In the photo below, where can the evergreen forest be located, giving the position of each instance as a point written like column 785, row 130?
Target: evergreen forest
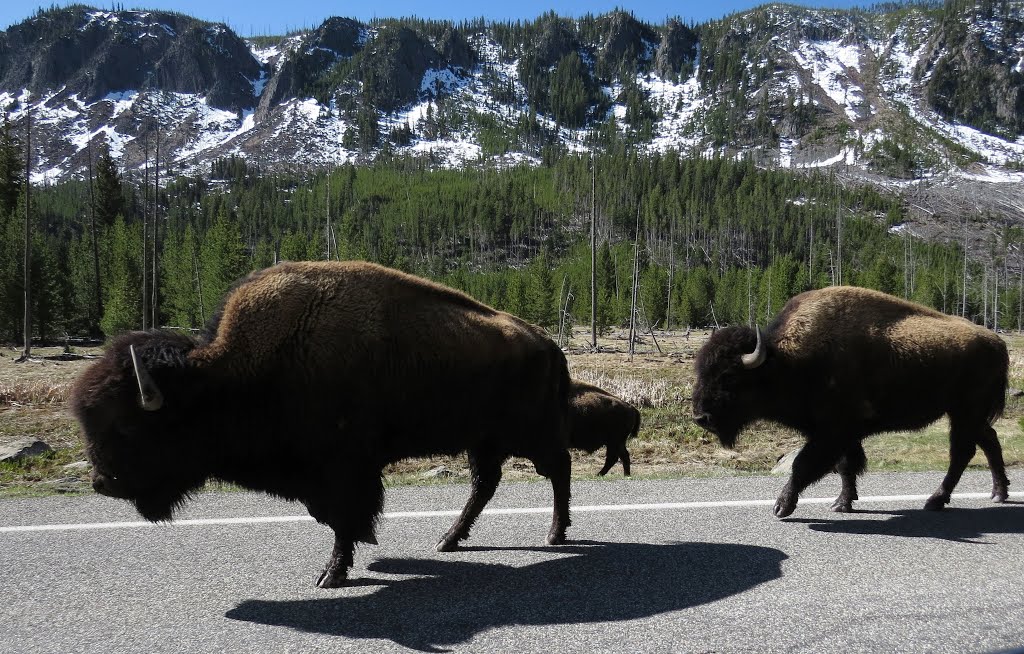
column 710, row 241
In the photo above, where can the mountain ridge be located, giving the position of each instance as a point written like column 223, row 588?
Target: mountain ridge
column 917, row 92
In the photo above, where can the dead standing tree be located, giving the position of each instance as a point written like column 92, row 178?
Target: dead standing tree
column 27, row 352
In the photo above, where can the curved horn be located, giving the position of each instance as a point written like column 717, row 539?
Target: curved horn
column 150, row 396
column 757, row 357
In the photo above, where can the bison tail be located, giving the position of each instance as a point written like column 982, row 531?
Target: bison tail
column 999, row 398
column 624, row 453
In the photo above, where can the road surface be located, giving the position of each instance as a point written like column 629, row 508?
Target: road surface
column 691, row 565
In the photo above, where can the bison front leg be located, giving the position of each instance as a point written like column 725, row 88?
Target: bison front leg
column 485, row 471
column 813, row 462
column 336, row 572
column 849, row 468
column 351, row 511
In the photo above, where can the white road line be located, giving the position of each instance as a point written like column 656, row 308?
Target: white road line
column 398, row 515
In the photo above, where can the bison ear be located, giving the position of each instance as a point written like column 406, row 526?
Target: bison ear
column 150, row 396
column 757, row 357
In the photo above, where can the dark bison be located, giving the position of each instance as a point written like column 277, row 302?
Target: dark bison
column 841, row 363
column 312, row 379
column 599, row 419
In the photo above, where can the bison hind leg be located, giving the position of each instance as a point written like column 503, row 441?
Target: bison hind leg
column 961, row 450
column 850, row 466
column 989, row 443
column 558, row 468
column 485, row 472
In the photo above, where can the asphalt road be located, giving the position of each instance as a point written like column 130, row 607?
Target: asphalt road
column 694, row 565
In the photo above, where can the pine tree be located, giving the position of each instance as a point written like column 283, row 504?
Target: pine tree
column 122, row 304
column 223, row 257
column 11, row 169
column 110, row 201
column 180, row 281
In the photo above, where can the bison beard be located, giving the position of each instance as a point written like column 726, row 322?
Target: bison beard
column 311, row 379
column 842, row 363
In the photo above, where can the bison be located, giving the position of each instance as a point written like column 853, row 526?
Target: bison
column 597, row 418
column 313, row 377
column 842, row 363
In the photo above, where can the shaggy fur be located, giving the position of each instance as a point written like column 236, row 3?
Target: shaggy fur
column 599, row 419
column 844, row 363
column 313, row 378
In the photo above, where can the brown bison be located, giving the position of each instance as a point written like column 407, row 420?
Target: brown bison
column 597, row 418
column 313, row 378
column 842, row 363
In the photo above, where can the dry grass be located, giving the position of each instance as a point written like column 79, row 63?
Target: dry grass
column 33, row 398
column 38, row 392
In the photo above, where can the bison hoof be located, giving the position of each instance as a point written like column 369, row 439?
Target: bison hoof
column 784, row 507
column 1000, row 495
column 332, row 578
column 447, row 544
column 556, row 538
column 936, row 502
column 842, row 506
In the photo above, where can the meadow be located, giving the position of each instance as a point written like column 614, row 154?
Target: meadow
column 658, row 379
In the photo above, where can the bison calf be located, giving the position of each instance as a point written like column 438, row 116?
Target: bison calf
column 841, row 363
column 599, row 419
column 313, row 378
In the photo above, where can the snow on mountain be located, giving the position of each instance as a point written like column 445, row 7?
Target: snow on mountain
column 855, row 81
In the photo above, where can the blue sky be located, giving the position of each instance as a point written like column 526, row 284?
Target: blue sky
column 249, row 17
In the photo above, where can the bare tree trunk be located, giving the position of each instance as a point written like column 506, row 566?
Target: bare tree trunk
column 27, row 352
column 153, row 305
column 671, row 272
column 95, row 241
column 199, row 286
column 650, row 326
column 561, row 316
column 329, row 231
column 810, row 260
column 636, row 274
column 593, row 254
column 145, row 232
column 839, row 245
column 984, row 301
column 1020, row 292
column 995, row 302
column 963, row 308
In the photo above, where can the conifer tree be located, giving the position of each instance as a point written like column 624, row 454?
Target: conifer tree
column 223, row 256
column 122, row 304
column 110, row 201
column 11, row 169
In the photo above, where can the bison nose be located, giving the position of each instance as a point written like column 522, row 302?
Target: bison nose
column 99, row 486
column 108, row 486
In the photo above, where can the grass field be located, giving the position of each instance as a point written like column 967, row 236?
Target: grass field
column 33, row 404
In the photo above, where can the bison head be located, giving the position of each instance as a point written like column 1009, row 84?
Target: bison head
column 133, row 407
column 727, row 392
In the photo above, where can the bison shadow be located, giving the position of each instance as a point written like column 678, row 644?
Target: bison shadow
column 963, row 525
column 444, row 603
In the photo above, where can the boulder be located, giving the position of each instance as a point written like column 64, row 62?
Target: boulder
column 20, row 450
column 785, row 464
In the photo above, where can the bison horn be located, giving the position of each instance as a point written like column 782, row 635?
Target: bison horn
column 150, row 396
column 757, row 357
